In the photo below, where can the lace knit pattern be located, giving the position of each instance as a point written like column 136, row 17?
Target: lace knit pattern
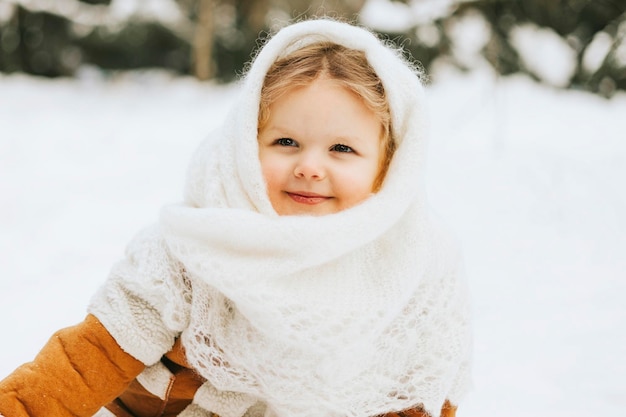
column 353, row 314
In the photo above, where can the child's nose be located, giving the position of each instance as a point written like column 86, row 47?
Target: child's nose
column 310, row 167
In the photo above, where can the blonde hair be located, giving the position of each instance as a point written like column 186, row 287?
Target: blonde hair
column 347, row 66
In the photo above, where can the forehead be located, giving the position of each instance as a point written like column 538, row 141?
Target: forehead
column 324, row 105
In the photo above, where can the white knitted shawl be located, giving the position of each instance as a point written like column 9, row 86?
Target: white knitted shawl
column 350, row 314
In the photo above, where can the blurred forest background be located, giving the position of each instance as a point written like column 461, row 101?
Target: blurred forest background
column 213, row 39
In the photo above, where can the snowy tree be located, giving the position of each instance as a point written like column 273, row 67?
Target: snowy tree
column 563, row 43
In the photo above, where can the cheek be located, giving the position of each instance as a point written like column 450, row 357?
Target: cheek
column 357, row 184
column 271, row 171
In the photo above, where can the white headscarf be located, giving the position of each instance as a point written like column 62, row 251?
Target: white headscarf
column 356, row 313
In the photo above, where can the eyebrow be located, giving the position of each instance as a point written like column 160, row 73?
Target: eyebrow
column 280, row 129
column 286, row 132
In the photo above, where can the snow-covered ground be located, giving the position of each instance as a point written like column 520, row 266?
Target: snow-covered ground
column 531, row 178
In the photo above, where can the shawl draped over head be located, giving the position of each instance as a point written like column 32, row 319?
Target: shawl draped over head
column 356, row 313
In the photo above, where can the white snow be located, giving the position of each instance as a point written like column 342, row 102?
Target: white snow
column 115, row 14
column 396, row 17
column 531, row 179
column 597, row 51
column 386, row 15
column 469, row 34
column 545, row 53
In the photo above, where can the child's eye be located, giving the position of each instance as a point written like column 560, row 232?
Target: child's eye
column 341, row 148
column 286, row 142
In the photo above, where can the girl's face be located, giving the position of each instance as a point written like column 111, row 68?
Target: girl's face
column 319, row 150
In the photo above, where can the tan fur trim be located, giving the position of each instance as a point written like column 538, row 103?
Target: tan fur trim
column 156, row 379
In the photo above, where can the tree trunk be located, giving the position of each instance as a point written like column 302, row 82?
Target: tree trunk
column 203, row 41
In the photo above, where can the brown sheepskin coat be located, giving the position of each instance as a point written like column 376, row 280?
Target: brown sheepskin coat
column 82, row 369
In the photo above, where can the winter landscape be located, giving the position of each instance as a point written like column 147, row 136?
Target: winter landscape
column 530, row 177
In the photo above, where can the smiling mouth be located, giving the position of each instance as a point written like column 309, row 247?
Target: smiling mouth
column 307, row 198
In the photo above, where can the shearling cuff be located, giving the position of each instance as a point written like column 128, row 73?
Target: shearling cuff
column 194, row 410
column 223, row 403
column 134, row 324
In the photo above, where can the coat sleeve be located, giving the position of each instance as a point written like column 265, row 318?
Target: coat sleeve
column 448, row 410
column 79, row 370
column 145, row 302
column 133, row 320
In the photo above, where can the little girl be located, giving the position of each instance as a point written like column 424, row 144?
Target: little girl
column 303, row 274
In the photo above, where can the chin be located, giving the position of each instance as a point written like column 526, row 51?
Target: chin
column 304, row 211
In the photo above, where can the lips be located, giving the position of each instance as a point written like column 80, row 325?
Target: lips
column 307, row 198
